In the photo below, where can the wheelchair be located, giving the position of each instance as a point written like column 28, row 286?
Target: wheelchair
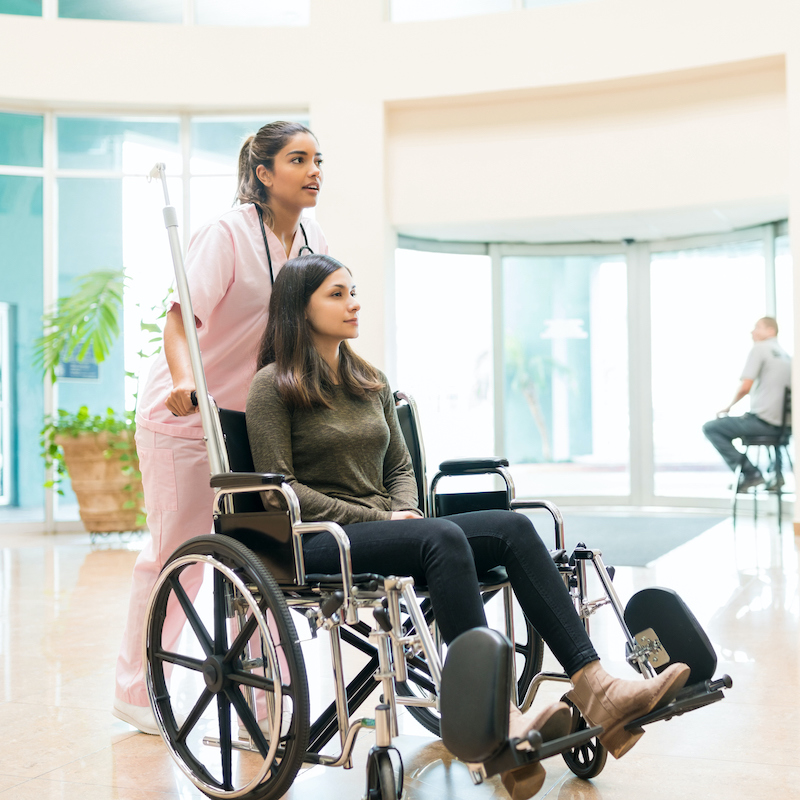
column 231, row 695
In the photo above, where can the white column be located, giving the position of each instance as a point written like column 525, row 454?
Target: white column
column 793, row 104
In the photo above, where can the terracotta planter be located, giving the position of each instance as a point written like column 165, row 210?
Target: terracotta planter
column 99, row 482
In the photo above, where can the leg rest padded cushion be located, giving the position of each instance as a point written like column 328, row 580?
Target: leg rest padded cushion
column 677, row 629
column 476, row 694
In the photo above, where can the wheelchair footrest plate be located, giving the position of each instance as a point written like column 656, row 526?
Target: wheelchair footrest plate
column 690, row 698
column 510, row 758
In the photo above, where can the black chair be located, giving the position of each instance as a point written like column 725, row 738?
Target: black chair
column 775, row 447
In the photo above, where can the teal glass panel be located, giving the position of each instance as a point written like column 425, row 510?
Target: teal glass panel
column 124, row 10
column 216, row 141
column 252, row 12
column 127, row 145
column 21, row 288
column 565, row 374
column 21, row 139
column 90, row 220
column 22, row 8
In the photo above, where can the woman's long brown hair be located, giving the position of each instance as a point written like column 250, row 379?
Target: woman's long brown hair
column 304, row 379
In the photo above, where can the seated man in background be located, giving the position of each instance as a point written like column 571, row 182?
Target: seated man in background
column 766, row 374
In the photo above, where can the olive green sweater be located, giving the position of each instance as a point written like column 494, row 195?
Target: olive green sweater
column 346, row 464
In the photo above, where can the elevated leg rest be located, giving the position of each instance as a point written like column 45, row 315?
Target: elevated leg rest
column 475, row 702
column 667, row 632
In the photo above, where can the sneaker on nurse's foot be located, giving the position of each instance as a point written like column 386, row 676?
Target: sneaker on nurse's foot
column 141, row 717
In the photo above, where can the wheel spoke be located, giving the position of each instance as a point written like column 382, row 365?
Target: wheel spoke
column 256, row 681
column 192, row 616
column 234, row 695
column 195, row 714
column 225, row 747
column 241, row 640
column 221, row 596
column 181, row 661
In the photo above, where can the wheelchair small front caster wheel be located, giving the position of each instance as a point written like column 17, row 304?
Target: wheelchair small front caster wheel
column 587, row 760
column 382, row 781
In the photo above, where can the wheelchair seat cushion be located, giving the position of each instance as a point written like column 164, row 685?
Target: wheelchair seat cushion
column 475, row 694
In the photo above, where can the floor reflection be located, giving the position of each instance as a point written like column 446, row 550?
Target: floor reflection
column 63, row 601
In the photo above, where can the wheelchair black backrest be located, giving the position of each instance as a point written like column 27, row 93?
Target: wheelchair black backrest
column 267, row 533
column 408, row 425
column 234, row 428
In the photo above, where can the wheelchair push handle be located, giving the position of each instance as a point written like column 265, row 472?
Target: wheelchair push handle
column 210, row 420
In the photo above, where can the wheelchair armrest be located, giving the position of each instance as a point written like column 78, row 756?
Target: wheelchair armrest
column 463, row 466
column 242, row 480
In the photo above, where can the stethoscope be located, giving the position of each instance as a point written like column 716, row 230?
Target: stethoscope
column 300, row 252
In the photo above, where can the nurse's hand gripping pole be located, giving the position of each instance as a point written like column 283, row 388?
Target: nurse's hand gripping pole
column 212, row 430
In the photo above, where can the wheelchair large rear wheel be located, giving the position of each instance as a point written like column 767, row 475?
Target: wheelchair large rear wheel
column 529, row 649
column 225, row 672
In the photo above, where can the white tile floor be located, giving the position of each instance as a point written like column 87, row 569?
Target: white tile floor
column 63, row 601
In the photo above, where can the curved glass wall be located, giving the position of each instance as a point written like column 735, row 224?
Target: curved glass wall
column 605, row 364
column 565, row 374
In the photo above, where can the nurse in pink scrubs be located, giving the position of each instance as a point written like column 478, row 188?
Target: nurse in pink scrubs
column 230, row 265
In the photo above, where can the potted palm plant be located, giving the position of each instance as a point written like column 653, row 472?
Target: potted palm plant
column 96, row 451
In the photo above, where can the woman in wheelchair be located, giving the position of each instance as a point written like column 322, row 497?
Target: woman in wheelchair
column 325, row 418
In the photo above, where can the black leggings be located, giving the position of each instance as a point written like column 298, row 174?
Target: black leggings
column 447, row 553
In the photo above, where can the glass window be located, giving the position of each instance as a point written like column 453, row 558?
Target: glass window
column 565, row 374
column 784, row 289
column 21, row 289
column 124, row 10
column 704, row 303
column 252, row 12
column 216, row 143
column 21, row 138
column 25, row 8
column 419, row 10
column 86, row 242
column 6, row 375
column 131, row 146
column 443, row 298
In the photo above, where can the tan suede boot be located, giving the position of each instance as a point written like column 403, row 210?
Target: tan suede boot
column 613, row 703
column 552, row 722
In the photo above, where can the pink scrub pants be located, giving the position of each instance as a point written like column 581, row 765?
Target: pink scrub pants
column 178, row 498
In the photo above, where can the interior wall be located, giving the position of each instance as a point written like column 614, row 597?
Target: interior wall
column 712, row 136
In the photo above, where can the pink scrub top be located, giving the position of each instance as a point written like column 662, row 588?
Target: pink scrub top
column 230, row 287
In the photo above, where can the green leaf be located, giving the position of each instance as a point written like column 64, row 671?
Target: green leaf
column 89, row 318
